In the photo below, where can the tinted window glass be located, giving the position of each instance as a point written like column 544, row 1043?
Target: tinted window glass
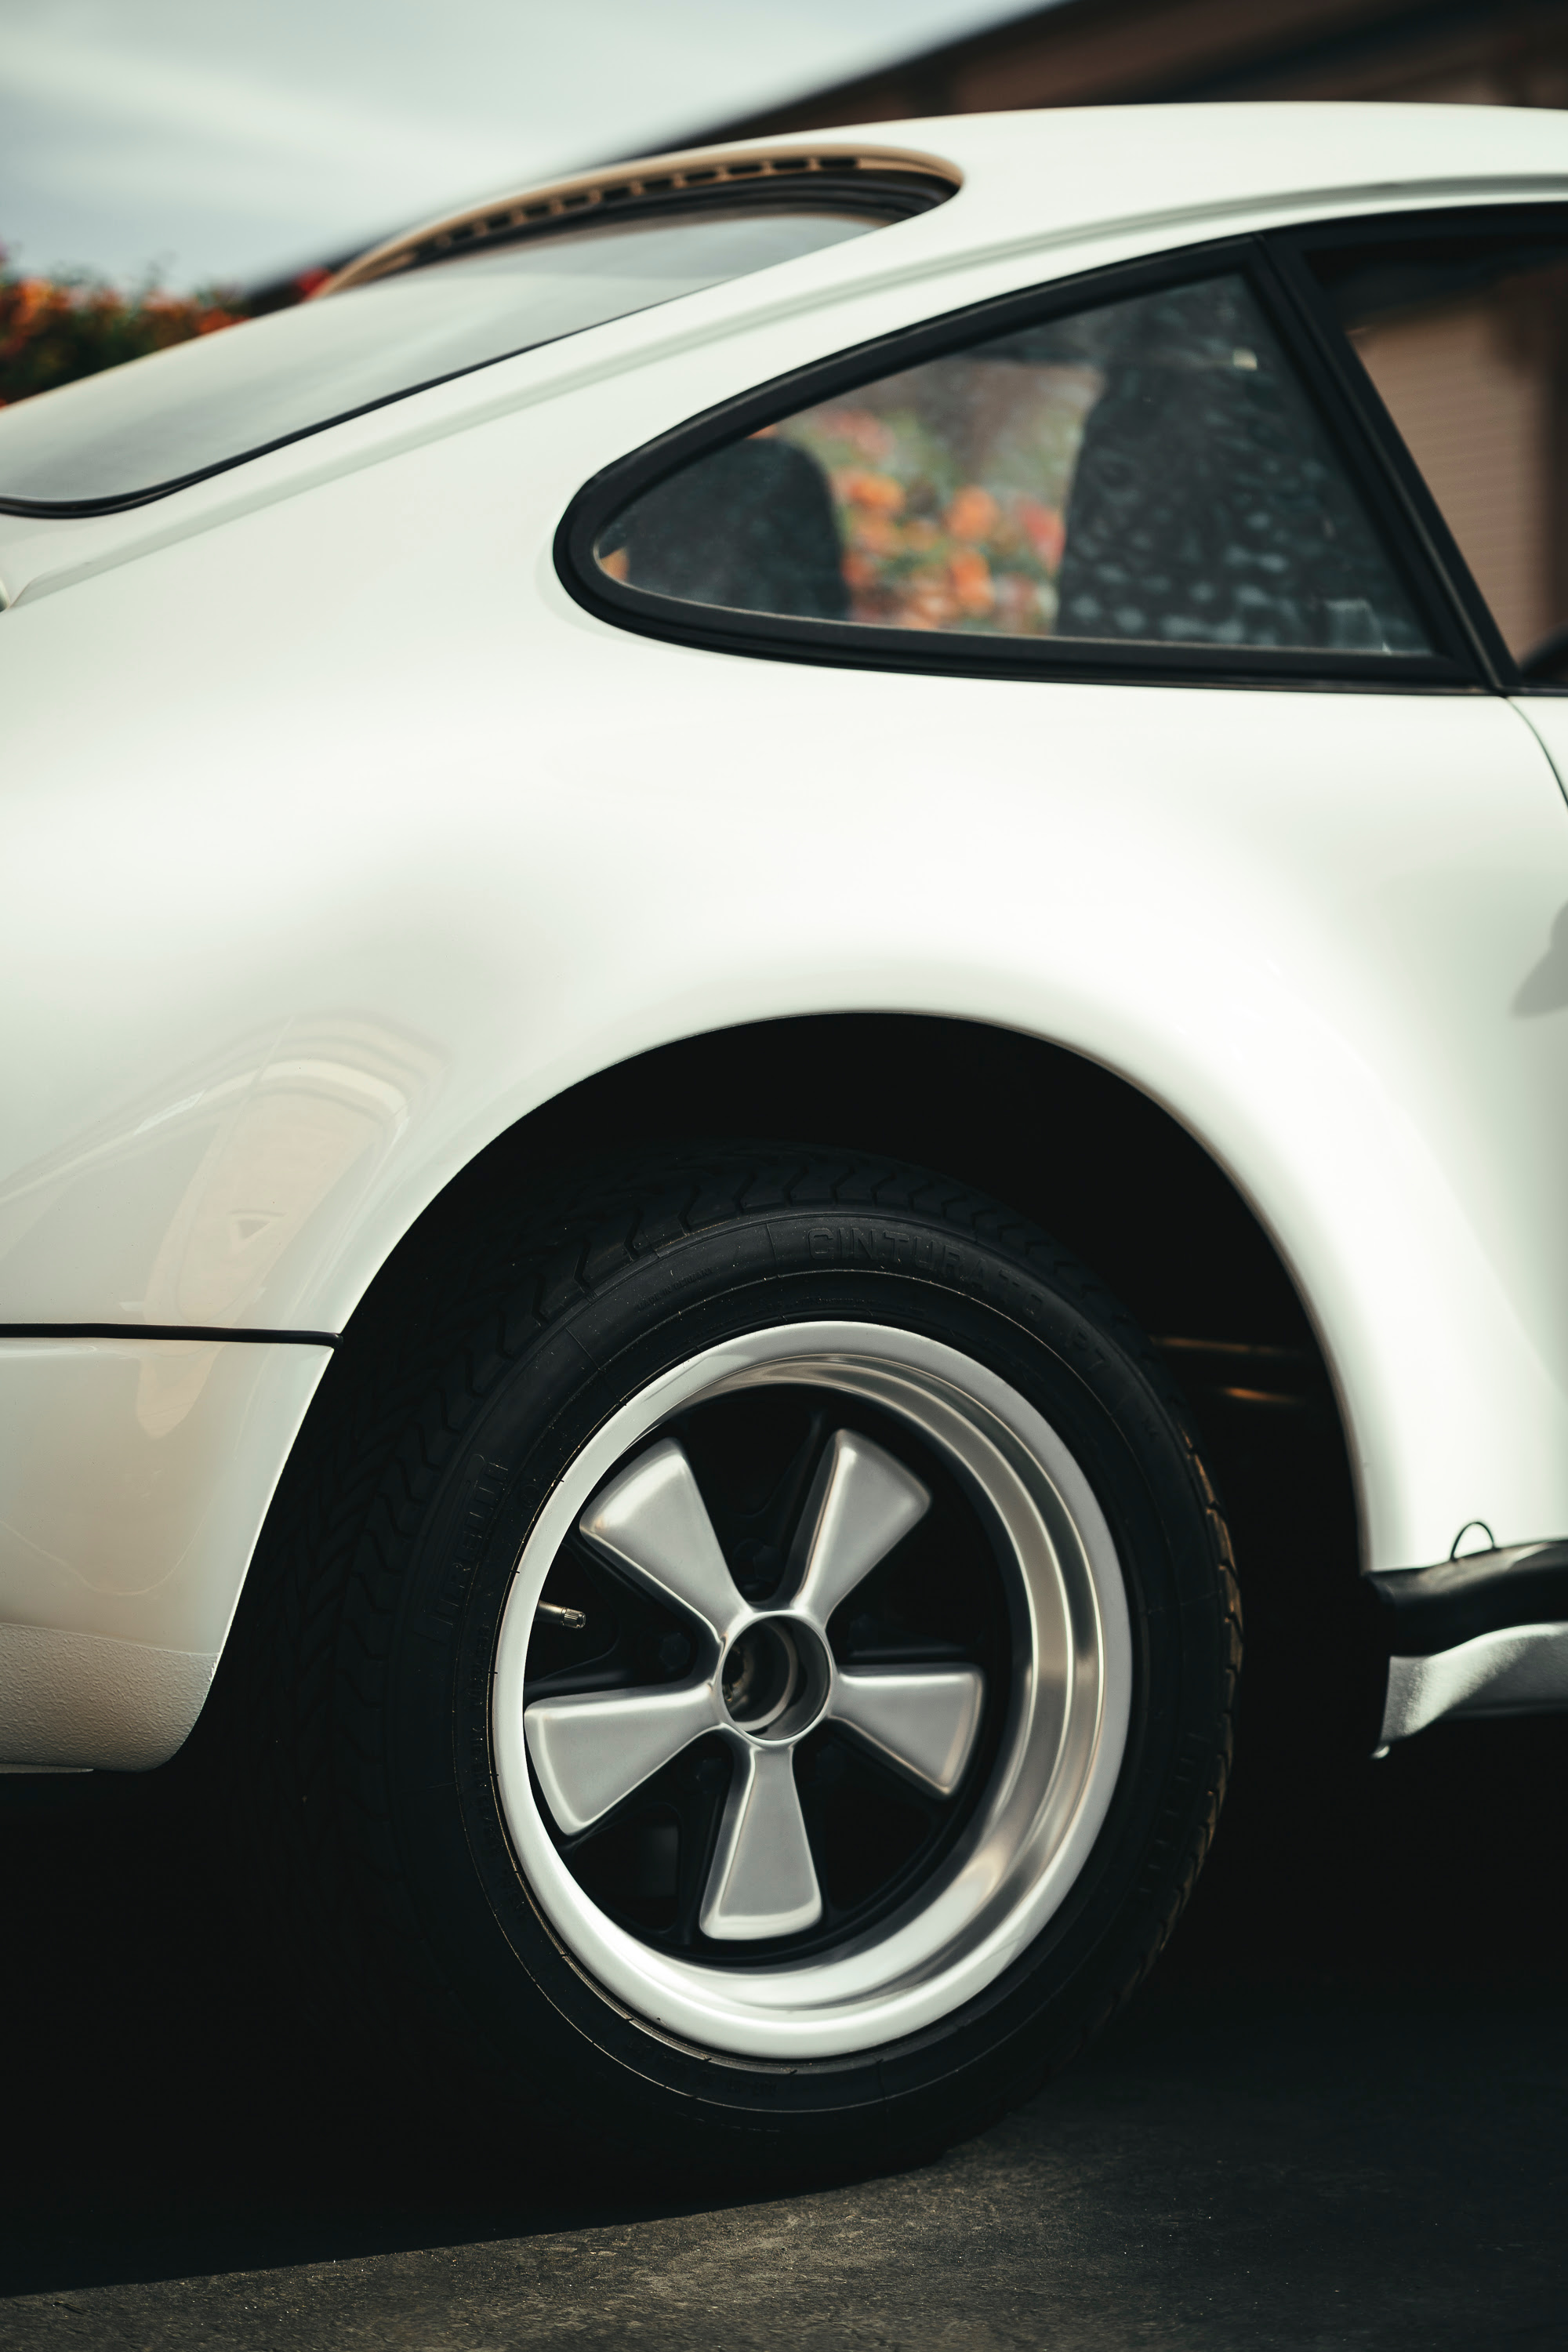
column 207, row 403
column 1147, row 471
column 1466, row 341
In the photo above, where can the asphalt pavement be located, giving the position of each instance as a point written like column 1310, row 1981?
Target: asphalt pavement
column 1335, row 2118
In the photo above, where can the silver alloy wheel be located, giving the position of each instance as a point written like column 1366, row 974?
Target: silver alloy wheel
column 766, row 1678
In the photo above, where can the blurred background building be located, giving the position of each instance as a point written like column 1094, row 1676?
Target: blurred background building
column 1119, row 52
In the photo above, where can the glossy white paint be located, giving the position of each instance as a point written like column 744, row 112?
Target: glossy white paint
column 134, row 1475
column 337, row 838
column 1546, row 714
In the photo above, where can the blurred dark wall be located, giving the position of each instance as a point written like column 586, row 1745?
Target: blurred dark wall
column 1110, row 52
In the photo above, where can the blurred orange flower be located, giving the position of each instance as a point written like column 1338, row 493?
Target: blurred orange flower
column 1046, row 531
column 923, row 546
column 929, row 601
column 877, row 491
column 54, row 330
column 973, row 513
column 970, row 577
column 31, row 298
column 877, row 532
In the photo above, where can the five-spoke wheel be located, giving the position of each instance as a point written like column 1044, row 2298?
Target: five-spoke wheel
column 849, row 1680
column 765, row 1680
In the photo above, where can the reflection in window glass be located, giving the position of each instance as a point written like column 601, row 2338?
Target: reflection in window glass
column 1466, row 341
column 1148, row 471
column 204, row 405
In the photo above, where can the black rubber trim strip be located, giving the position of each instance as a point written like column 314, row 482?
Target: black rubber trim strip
column 1425, row 1611
column 166, row 1331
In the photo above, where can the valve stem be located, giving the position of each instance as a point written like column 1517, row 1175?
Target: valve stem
column 572, row 1619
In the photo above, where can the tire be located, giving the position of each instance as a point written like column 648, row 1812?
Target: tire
column 894, row 1732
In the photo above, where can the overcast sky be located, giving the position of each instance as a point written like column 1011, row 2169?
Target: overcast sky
column 231, row 139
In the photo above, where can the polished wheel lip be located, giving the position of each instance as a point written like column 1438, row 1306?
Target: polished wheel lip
column 1048, row 1795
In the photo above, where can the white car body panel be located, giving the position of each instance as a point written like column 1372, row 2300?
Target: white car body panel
column 135, row 1472
column 339, row 838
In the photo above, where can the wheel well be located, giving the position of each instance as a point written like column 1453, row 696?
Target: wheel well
column 1094, row 1162
column 1080, row 1152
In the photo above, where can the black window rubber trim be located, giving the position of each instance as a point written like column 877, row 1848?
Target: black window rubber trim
column 888, row 198
column 1456, row 665
column 1406, row 486
column 167, row 1331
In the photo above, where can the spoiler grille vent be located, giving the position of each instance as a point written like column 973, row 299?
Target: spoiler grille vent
column 899, row 183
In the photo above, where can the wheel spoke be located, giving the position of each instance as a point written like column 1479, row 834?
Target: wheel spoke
column 652, row 1522
column 763, row 1881
column 591, row 1750
column 925, row 1723
column 862, row 1504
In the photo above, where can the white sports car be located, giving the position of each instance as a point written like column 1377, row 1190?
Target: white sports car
column 706, row 884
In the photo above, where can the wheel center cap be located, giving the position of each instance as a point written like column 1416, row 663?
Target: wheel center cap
column 774, row 1678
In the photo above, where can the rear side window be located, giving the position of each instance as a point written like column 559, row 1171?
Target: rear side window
column 1149, row 471
column 1466, row 340
column 141, row 430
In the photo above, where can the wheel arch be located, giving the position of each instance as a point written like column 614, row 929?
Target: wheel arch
column 1073, row 1146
